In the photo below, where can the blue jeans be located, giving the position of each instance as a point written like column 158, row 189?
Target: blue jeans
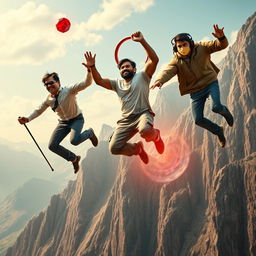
column 197, row 104
column 74, row 127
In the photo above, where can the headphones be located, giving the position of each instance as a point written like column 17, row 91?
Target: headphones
column 182, row 37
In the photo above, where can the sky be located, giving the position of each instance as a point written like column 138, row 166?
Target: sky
column 31, row 46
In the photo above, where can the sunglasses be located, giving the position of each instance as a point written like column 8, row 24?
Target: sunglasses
column 49, row 83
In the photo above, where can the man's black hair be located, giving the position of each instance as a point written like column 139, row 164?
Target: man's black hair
column 182, row 37
column 121, row 62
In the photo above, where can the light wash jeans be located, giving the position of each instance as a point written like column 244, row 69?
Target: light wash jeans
column 197, row 104
column 74, row 127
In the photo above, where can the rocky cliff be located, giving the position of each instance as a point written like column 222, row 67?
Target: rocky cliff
column 20, row 206
column 114, row 209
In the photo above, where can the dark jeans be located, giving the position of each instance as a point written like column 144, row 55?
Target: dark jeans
column 197, row 104
column 74, row 127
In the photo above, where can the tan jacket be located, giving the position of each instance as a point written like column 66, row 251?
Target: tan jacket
column 196, row 71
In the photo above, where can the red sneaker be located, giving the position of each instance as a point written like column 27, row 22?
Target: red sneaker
column 159, row 143
column 142, row 153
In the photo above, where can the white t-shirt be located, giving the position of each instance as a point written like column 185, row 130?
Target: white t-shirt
column 134, row 95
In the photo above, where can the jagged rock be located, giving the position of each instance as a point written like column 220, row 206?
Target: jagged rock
column 20, row 206
column 113, row 209
column 106, row 132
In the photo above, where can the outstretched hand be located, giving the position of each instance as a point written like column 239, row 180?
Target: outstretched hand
column 218, row 33
column 137, row 36
column 156, row 85
column 90, row 59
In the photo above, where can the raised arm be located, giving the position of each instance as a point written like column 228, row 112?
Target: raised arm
column 90, row 64
column 83, row 84
column 37, row 112
column 151, row 64
column 88, row 79
column 165, row 75
column 219, row 44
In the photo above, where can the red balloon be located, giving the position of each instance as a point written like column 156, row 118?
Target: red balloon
column 63, row 25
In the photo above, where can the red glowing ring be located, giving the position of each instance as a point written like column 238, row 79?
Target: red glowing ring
column 170, row 165
column 118, row 47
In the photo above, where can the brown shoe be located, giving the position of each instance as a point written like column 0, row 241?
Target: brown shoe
column 142, row 153
column 221, row 137
column 93, row 138
column 229, row 118
column 76, row 164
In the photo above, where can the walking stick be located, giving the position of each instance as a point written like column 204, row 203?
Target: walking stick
column 38, row 146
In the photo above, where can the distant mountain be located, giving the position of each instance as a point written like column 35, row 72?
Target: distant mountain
column 21, row 146
column 106, row 132
column 113, row 209
column 20, row 206
column 18, row 167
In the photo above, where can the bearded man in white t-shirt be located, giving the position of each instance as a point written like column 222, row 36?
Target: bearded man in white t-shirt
column 133, row 93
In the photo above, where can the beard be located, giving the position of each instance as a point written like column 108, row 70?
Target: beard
column 127, row 74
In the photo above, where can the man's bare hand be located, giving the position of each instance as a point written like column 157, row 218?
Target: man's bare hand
column 90, row 59
column 156, row 85
column 218, row 33
column 137, row 36
column 23, row 120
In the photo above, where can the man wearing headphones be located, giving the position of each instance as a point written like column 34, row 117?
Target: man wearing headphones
column 197, row 76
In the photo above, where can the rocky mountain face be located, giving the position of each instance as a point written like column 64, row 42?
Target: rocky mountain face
column 114, row 209
column 18, row 167
column 20, row 206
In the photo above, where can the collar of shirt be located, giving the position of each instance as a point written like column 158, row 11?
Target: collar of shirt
column 54, row 96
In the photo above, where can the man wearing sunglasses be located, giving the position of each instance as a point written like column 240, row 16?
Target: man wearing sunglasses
column 62, row 100
column 197, row 76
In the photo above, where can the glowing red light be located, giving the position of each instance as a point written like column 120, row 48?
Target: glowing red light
column 171, row 164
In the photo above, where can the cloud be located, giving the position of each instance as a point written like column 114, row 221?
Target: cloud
column 29, row 35
column 100, row 107
column 233, row 37
column 10, row 127
column 114, row 12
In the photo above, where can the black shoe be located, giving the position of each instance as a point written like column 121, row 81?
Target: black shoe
column 159, row 143
column 142, row 153
column 221, row 137
column 76, row 164
column 229, row 118
column 93, row 138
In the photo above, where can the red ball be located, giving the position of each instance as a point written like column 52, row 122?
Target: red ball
column 63, row 25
